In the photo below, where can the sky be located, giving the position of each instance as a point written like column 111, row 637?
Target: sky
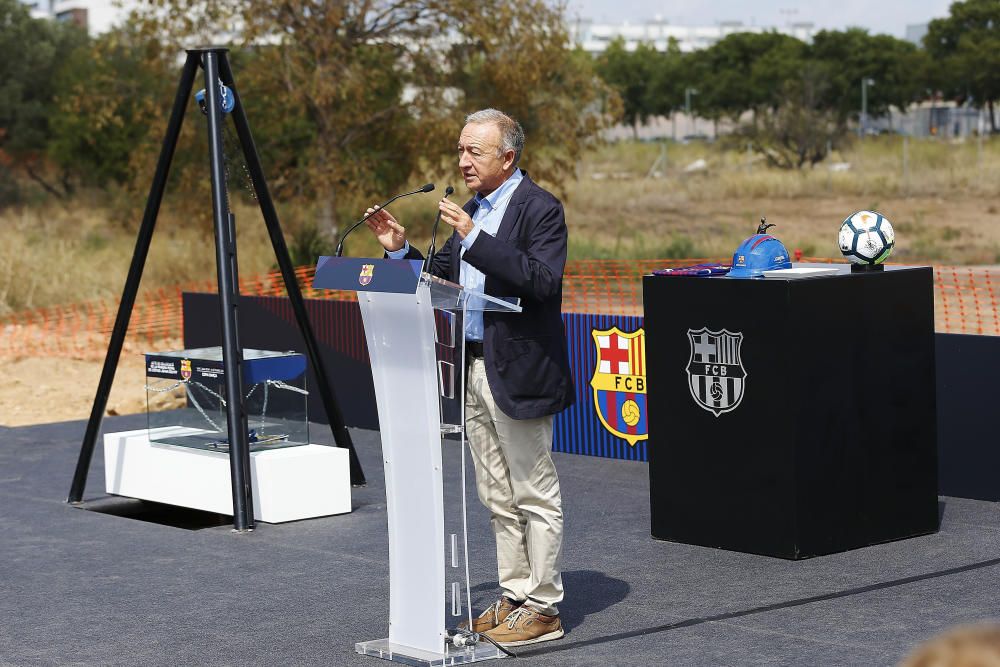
column 885, row 16
column 881, row 16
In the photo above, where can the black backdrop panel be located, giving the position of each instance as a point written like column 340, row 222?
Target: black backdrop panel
column 968, row 370
column 832, row 444
column 268, row 323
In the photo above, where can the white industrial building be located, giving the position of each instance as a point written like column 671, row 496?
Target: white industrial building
column 595, row 37
column 942, row 119
column 96, row 16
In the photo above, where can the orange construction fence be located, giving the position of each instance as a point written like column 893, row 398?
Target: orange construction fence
column 965, row 301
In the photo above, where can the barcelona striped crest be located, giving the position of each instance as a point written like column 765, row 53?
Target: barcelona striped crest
column 619, row 382
column 716, row 376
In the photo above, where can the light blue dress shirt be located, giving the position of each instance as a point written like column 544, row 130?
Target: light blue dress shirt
column 486, row 219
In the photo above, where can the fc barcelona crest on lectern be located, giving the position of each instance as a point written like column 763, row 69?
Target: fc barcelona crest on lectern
column 716, row 376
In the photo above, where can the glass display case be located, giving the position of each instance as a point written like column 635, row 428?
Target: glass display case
column 192, row 383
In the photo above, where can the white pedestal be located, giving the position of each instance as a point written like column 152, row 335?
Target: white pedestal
column 288, row 484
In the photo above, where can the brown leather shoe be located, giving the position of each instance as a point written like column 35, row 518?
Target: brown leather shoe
column 494, row 615
column 524, row 625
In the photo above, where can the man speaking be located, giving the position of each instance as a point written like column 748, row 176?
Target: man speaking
column 509, row 240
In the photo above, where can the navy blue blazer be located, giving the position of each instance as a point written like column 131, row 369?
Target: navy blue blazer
column 527, row 362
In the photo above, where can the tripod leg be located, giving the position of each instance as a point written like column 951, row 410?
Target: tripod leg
column 232, row 351
column 340, row 433
column 132, row 280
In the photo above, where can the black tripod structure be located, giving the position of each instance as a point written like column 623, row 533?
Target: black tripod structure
column 215, row 63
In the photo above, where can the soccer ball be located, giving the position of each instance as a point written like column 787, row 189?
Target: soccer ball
column 866, row 238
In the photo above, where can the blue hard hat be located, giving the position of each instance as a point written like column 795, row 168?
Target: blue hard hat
column 759, row 253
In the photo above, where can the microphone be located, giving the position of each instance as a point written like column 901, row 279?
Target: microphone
column 340, row 246
column 434, row 230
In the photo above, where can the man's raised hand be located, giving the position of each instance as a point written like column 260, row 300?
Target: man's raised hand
column 453, row 214
column 389, row 233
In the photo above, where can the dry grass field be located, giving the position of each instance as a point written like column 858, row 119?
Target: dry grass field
column 57, row 254
column 629, row 200
column 626, row 202
column 945, row 205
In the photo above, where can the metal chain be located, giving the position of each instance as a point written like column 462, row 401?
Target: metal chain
column 218, row 396
column 263, row 410
column 274, row 383
column 197, row 405
column 163, row 391
column 190, row 394
column 281, row 385
column 230, row 144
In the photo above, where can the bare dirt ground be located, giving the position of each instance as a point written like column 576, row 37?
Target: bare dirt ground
column 40, row 390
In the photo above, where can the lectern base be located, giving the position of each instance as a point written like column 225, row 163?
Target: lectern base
column 383, row 648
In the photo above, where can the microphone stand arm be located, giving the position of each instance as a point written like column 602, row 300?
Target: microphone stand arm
column 343, row 237
column 434, row 230
column 432, row 249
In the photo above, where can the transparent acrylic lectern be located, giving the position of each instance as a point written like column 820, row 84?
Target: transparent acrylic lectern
column 414, row 325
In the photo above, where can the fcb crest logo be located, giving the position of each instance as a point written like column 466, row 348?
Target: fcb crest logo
column 716, row 376
column 186, row 369
column 619, row 382
column 365, row 276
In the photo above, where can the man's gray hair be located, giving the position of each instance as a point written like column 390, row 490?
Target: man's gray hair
column 511, row 134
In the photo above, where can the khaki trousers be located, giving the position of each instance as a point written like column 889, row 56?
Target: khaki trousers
column 517, row 481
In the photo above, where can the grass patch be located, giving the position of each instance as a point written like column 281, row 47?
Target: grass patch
column 949, row 233
column 630, row 200
column 680, row 248
column 53, row 255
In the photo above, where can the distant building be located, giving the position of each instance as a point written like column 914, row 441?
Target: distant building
column 915, row 33
column 39, row 10
column 96, row 16
column 595, row 37
column 934, row 118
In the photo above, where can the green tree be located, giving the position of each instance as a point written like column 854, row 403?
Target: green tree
column 797, row 131
column 851, row 55
column 966, row 46
column 667, row 81
column 630, row 74
column 811, row 91
column 515, row 56
column 350, row 99
column 746, row 72
column 33, row 51
column 112, row 95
